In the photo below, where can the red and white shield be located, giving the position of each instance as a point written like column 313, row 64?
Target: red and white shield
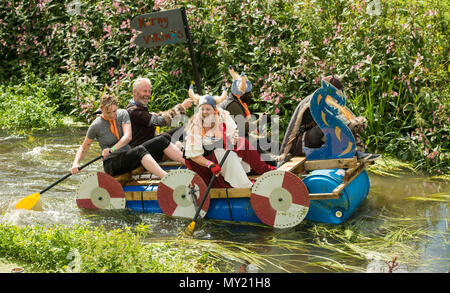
column 180, row 193
column 100, row 191
column 280, row 199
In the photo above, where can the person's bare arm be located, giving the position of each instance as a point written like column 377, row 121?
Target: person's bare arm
column 124, row 140
column 81, row 152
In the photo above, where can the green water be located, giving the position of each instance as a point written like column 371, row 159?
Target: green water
column 28, row 164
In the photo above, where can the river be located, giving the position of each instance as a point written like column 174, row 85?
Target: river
column 401, row 205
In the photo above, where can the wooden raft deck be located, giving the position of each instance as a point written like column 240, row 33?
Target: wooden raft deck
column 297, row 165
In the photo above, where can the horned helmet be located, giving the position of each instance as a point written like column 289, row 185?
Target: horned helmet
column 207, row 99
column 241, row 85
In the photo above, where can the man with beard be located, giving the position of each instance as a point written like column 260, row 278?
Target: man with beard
column 144, row 122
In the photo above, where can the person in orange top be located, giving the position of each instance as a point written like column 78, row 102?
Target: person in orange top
column 237, row 104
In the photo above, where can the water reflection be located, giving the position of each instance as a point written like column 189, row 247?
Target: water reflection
column 28, row 164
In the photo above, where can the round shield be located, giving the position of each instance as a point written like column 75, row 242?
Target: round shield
column 180, row 193
column 100, row 191
column 280, row 199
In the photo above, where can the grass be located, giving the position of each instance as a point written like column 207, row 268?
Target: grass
column 88, row 249
column 438, row 197
column 310, row 246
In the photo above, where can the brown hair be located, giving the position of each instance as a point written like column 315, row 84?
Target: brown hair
column 108, row 100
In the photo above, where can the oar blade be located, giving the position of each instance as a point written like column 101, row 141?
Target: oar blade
column 28, row 202
column 189, row 231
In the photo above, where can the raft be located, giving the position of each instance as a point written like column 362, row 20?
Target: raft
column 327, row 185
column 326, row 191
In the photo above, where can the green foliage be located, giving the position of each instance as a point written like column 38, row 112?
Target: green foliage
column 394, row 64
column 27, row 106
column 88, row 249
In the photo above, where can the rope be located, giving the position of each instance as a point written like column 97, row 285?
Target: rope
column 229, row 205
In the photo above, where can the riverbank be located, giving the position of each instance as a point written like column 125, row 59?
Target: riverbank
column 89, row 249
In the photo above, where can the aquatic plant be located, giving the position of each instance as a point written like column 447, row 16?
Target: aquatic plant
column 390, row 166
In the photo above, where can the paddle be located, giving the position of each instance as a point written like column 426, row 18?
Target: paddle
column 191, row 227
column 29, row 201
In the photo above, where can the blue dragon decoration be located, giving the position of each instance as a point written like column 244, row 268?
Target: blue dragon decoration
column 340, row 142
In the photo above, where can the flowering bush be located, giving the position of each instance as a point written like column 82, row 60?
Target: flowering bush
column 393, row 61
column 27, row 106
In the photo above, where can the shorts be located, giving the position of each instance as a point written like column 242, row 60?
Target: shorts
column 125, row 162
column 128, row 161
column 156, row 146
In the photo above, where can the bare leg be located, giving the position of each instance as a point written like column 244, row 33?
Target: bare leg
column 151, row 165
column 174, row 153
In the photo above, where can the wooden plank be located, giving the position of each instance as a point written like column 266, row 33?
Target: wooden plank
column 139, row 182
column 150, row 195
column 232, row 192
column 220, row 193
column 170, row 164
column 351, row 173
column 331, row 164
column 213, row 193
column 122, row 179
column 293, row 164
column 133, row 195
column 317, row 196
column 141, row 195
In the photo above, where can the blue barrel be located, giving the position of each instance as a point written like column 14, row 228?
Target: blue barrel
column 143, row 206
column 219, row 208
column 335, row 211
column 241, row 210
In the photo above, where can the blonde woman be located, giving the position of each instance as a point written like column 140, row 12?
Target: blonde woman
column 208, row 134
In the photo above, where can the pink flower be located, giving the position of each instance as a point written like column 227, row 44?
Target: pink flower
column 432, row 155
column 107, row 29
column 125, row 24
column 111, row 72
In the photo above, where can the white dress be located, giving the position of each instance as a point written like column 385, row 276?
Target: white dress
column 234, row 170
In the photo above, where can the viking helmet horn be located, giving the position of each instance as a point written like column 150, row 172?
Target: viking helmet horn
column 233, row 73
column 243, row 85
column 222, row 97
column 193, row 95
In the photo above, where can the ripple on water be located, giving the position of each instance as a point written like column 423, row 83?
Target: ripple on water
column 41, row 214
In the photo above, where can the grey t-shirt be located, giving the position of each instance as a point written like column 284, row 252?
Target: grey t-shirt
column 100, row 131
